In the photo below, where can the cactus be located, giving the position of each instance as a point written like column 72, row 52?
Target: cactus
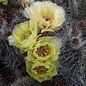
column 72, row 70
column 78, row 8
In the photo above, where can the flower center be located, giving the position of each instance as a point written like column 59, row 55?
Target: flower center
column 43, row 51
column 40, row 69
column 47, row 18
column 26, row 36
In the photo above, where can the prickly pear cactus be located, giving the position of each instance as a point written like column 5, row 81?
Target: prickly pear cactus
column 72, row 70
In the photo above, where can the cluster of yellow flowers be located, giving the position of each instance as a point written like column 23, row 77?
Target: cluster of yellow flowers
column 42, row 52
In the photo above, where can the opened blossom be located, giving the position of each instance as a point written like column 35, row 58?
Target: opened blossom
column 46, row 49
column 41, row 71
column 47, row 15
column 24, row 35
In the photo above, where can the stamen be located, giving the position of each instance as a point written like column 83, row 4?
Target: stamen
column 40, row 69
column 43, row 51
column 47, row 18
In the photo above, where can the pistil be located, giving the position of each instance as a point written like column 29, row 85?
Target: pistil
column 26, row 36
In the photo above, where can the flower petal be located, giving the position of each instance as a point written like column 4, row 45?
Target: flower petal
column 47, row 15
column 41, row 71
column 24, row 35
column 45, row 49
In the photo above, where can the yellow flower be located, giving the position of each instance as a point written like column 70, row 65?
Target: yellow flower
column 46, row 49
column 46, row 14
column 41, row 71
column 4, row 2
column 24, row 35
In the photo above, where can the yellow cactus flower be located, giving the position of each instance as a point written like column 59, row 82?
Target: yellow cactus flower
column 4, row 2
column 24, row 35
column 48, row 15
column 46, row 49
column 41, row 71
